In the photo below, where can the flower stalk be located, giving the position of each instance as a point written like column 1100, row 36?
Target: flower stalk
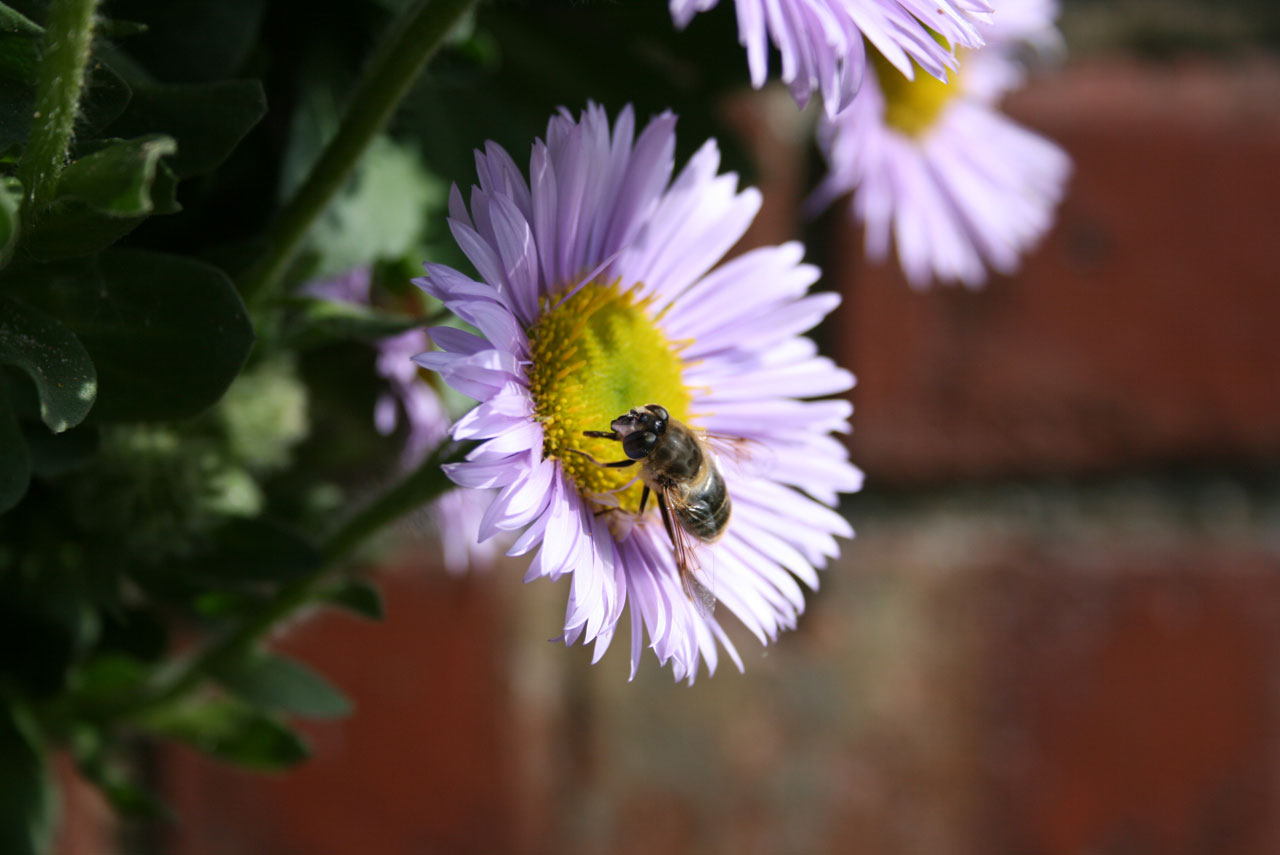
column 68, row 38
column 411, row 40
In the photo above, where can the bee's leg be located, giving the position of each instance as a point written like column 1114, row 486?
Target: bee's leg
column 644, row 497
column 616, row 464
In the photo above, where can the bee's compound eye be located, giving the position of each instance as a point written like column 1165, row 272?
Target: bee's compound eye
column 639, row 444
column 659, row 412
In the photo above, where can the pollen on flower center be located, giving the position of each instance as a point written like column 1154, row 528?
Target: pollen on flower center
column 912, row 106
column 595, row 356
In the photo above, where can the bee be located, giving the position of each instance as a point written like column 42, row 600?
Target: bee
column 679, row 469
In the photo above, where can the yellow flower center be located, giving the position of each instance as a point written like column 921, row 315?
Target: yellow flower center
column 912, row 106
column 595, row 356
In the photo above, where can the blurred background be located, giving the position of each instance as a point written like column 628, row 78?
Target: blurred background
column 1058, row 629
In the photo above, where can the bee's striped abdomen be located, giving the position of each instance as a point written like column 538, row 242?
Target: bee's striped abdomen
column 705, row 512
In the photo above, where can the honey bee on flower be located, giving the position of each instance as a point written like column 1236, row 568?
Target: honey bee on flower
column 599, row 293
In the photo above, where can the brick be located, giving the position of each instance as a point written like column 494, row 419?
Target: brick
column 1131, row 707
column 419, row 767
column 1141, row 333
column 86, row 824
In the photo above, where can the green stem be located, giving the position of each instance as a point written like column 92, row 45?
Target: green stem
column 423, row 485
column 68, row 37
column 410, row 42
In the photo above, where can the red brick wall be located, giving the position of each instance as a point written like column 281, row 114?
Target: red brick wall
column 1055, row 666
column 420, row 767
column 1142, row 333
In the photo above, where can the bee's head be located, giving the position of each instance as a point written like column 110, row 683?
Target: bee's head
column 640, row 429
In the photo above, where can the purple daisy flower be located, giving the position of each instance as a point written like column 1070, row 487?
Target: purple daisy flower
column 957, row 185
column 597, row 295
column 409, row 397
column 821, row 41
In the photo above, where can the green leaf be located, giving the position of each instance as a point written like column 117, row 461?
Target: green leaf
column 17, row 103
column 168, row 334
column 54, row 359
column 19, row 46
column 275, row 683
column 105, row 97
column 116, row 29
column 71, row 228
column 232, row 731
column 13, row 21
column 106, row 92
column 28, row 799
column 108, row 678
column 208, row 120
column 358, row 596
column 195, row 40
column 10, row 224
column 117, row 179
column 218, row 604
column 15, row 459
column 251, row 550
column 319, row 322
column 130, row 799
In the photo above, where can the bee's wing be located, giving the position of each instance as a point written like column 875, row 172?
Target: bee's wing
column 743, row 453
column 684, row 545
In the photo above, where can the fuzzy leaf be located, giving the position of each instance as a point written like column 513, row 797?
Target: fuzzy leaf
column 19, row 58
column 168, row 334
column 275, row 683
column 195, row 40
column 117, row 179
column 14, row 22
column 208, row 119
column 106, row 93
column 53, row 358
column 71, row 228
column 105, row 97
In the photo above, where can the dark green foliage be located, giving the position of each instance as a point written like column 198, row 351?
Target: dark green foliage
column 53, row 358
column 167, row 333
column 28, row 803
column 137, row 493
column 206, row 119
column 358, row 597
column 233, row 731
column 314, row 323
column 275, row 683
column 117, row 179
